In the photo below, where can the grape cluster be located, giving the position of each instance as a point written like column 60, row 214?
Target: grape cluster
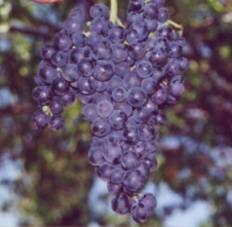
column 124, row 76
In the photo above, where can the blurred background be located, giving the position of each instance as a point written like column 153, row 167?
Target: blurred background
column 45, row 178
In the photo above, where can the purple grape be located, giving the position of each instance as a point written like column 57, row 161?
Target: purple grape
column 121, row 204
column 41, row 119
column 136, row 97
column 117, row 175
column 99, row 10
column 63, row 41
column 100, row 128
column 85, row 87
column 47, row 51
column 70, row 73
column 60, row 86
column 41, row 94
column 59, row 59
column 104, row 171
column 104, row 108
column 47, row 73
column 89, row 111
column 56, row 106
column 133, row 181
column 129, row 160
column 114, row 188
column 57, row 122
column 116, row 34
column 118, row 94
column 118, row 120
column 85, row 68
column 103, row 71
column 112, row 153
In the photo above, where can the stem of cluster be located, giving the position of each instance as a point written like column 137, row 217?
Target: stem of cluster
column 114, row 11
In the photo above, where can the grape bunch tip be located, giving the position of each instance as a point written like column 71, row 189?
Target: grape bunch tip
column 124, row 76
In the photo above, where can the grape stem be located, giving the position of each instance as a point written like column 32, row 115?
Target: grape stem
column 114, row 11
column 174, row 24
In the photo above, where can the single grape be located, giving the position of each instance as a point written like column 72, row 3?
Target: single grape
column 136, row 97
column 100, row 128
column 41, row 94
column 121, row 204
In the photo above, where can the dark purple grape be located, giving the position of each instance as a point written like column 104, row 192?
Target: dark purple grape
column 163, row 14
column 117, row 175
column 89, row 112
column 151, row 25
column 56, row 106
column 125, row 108
column 147, row 133
column 41, row 94
column 79, row 40
column 100, row 26
column 104, row 171
column 112, row 153
column 119, row 53
column 136, row 5
column 184, row 64
column 132, row 37
column 60, row 86
column 57, row 122
column 136, row 97
column 41, row 119
column 68, row 97
column 114, row 188
column 83, row 53
column 118, row 94
column 99, row 10
column 144, row 69
column 95, row 155
column 116, row 34
column 63, row 41
column 148, row 201
column 104, row 108
column 160, row 96
column 176, row 87
column 103, row 71
column 143, row 169
column 118, row 120
column 59, row 59
column 121, row 204
column 100, row 128
column 102, row 50
column 129, row 160
column 150, row 11
column 85, row 86
column 70, row 73
column 98, row 85
column 133, row 181
column 149, row 85
column 131, row 134
column 138, row 51
column 47, row 73
column 140, row 214
column 47, row 51
column 85, row 68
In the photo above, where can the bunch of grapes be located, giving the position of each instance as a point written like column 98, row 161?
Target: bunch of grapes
column 124, row 76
